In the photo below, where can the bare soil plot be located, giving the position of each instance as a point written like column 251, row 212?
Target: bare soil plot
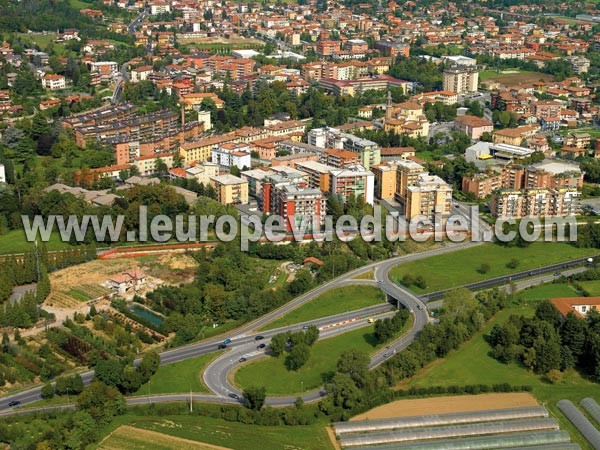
column 449, row 404
column 515, row 79
column 130, row 438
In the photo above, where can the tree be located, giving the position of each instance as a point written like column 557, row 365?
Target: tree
column 102, row 402
column 484, row 268
column 573, row 334
column 298, row 356
column 546, row 311
column 255, row 397
column 47, row 391
column 149, row 364
column 311, row 334
column 344, row 391
column 76, row 384
column 109, row 372
column 278, row 344
column 355, row 364
column 459, row 302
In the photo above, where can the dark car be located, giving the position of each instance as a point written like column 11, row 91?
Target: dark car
column 261, row 346
column 420, row 307
column 222, row 346
column 305, row 327
column 259, row 338
column 242, row 359
column 14, row 403
column 234, row 395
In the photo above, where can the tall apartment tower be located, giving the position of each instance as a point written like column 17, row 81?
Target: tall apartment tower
column 461, row 79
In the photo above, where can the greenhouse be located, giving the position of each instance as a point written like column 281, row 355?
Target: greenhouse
column 548, row 440
column 439, row 419
column 510, row 426
column 585, row 427
column 592, row 407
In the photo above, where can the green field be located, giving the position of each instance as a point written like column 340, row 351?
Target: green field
column 472, row 364
column 337, row 301
column 546, row 291
column 461, row 267
column 233, row 435
column 16, row 242
column 178, row 377
column 317, row 370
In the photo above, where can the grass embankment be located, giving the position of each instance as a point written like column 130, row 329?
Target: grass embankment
column 232, row 435
column 15, row 241
column 336, row 301
column 178, row 377
column 463, row 266
column 320, row 367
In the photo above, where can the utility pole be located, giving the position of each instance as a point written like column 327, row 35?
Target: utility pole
column 191, row 404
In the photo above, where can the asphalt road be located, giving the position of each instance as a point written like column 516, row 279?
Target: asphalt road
column 243, row 342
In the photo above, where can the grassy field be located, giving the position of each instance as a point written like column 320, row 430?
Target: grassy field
column 472, row 364
column 462, row 267
column 347, row 298
column 15, row 242
column 593, row 287
column 318, row 369
column 517, row 76
column 178, row 377
column 545, row 291
column 233, row 435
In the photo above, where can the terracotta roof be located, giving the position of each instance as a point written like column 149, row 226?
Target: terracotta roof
column 565, row 305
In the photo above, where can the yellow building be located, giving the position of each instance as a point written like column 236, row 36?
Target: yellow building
column 231, row 190
column 406, row 118
column 429, row 196
column 385, row 180
column 393, row 177
column 202, row 150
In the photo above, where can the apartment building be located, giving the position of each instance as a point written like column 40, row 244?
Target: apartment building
column 339, row 158
column 201, row 150
column 369, row 151
column 461, row 79
column 255, row 179
column 549, row 114
column 231, row 190
column 515, row 136
column 353, row 181
column 509, row 203
column 428, row 196
column 293, row 159
column 406, row 118
column 578, row 140
column 352, row 87
column 202, row 172
column 319, row 175
column 148, row 165
column 232, row 154
column 393, row 178
column 545, row 175
column 291, row 199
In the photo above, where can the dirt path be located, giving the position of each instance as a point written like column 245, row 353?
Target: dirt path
column 450, row 404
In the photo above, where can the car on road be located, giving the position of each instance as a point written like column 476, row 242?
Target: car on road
column 14, row 403
column 259, row 338
column 234, row 396
column 557, row 274
column 370, row 320
column 227, row 341
column 420, row 307
column 387, row 355
column 222, row 346
column 261, row 346
column 242, row 359
column 305, row 327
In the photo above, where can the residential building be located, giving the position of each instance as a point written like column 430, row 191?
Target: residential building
column 201, row 150
column 515, row 136
column 231, row 190
column 428, row 196
column 232, row 154
column 509, row 203
column 473, row 126
column 202, row 172
column 578, row 140
column 148, row 165
column 461, row 79
column 339, row 158
column 255, row 179
column 369, row 151
column 54, row 82
column 293, row 159
column 319, row 175
column 293, row 200
column 579, row 306
column 353, row 181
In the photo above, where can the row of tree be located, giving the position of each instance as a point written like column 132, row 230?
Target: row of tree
column 295, row 345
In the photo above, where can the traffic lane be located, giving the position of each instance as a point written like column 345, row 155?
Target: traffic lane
column 217, row 378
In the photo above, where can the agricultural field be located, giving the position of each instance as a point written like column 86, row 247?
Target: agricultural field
column 73, row 297
column 317, row 370
column 473, row 364
column 513, row 77
column 235, row 435
column 137, row 439
column 178, row 377
column 448, row 404
column 464, row 266
column 337, row 301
